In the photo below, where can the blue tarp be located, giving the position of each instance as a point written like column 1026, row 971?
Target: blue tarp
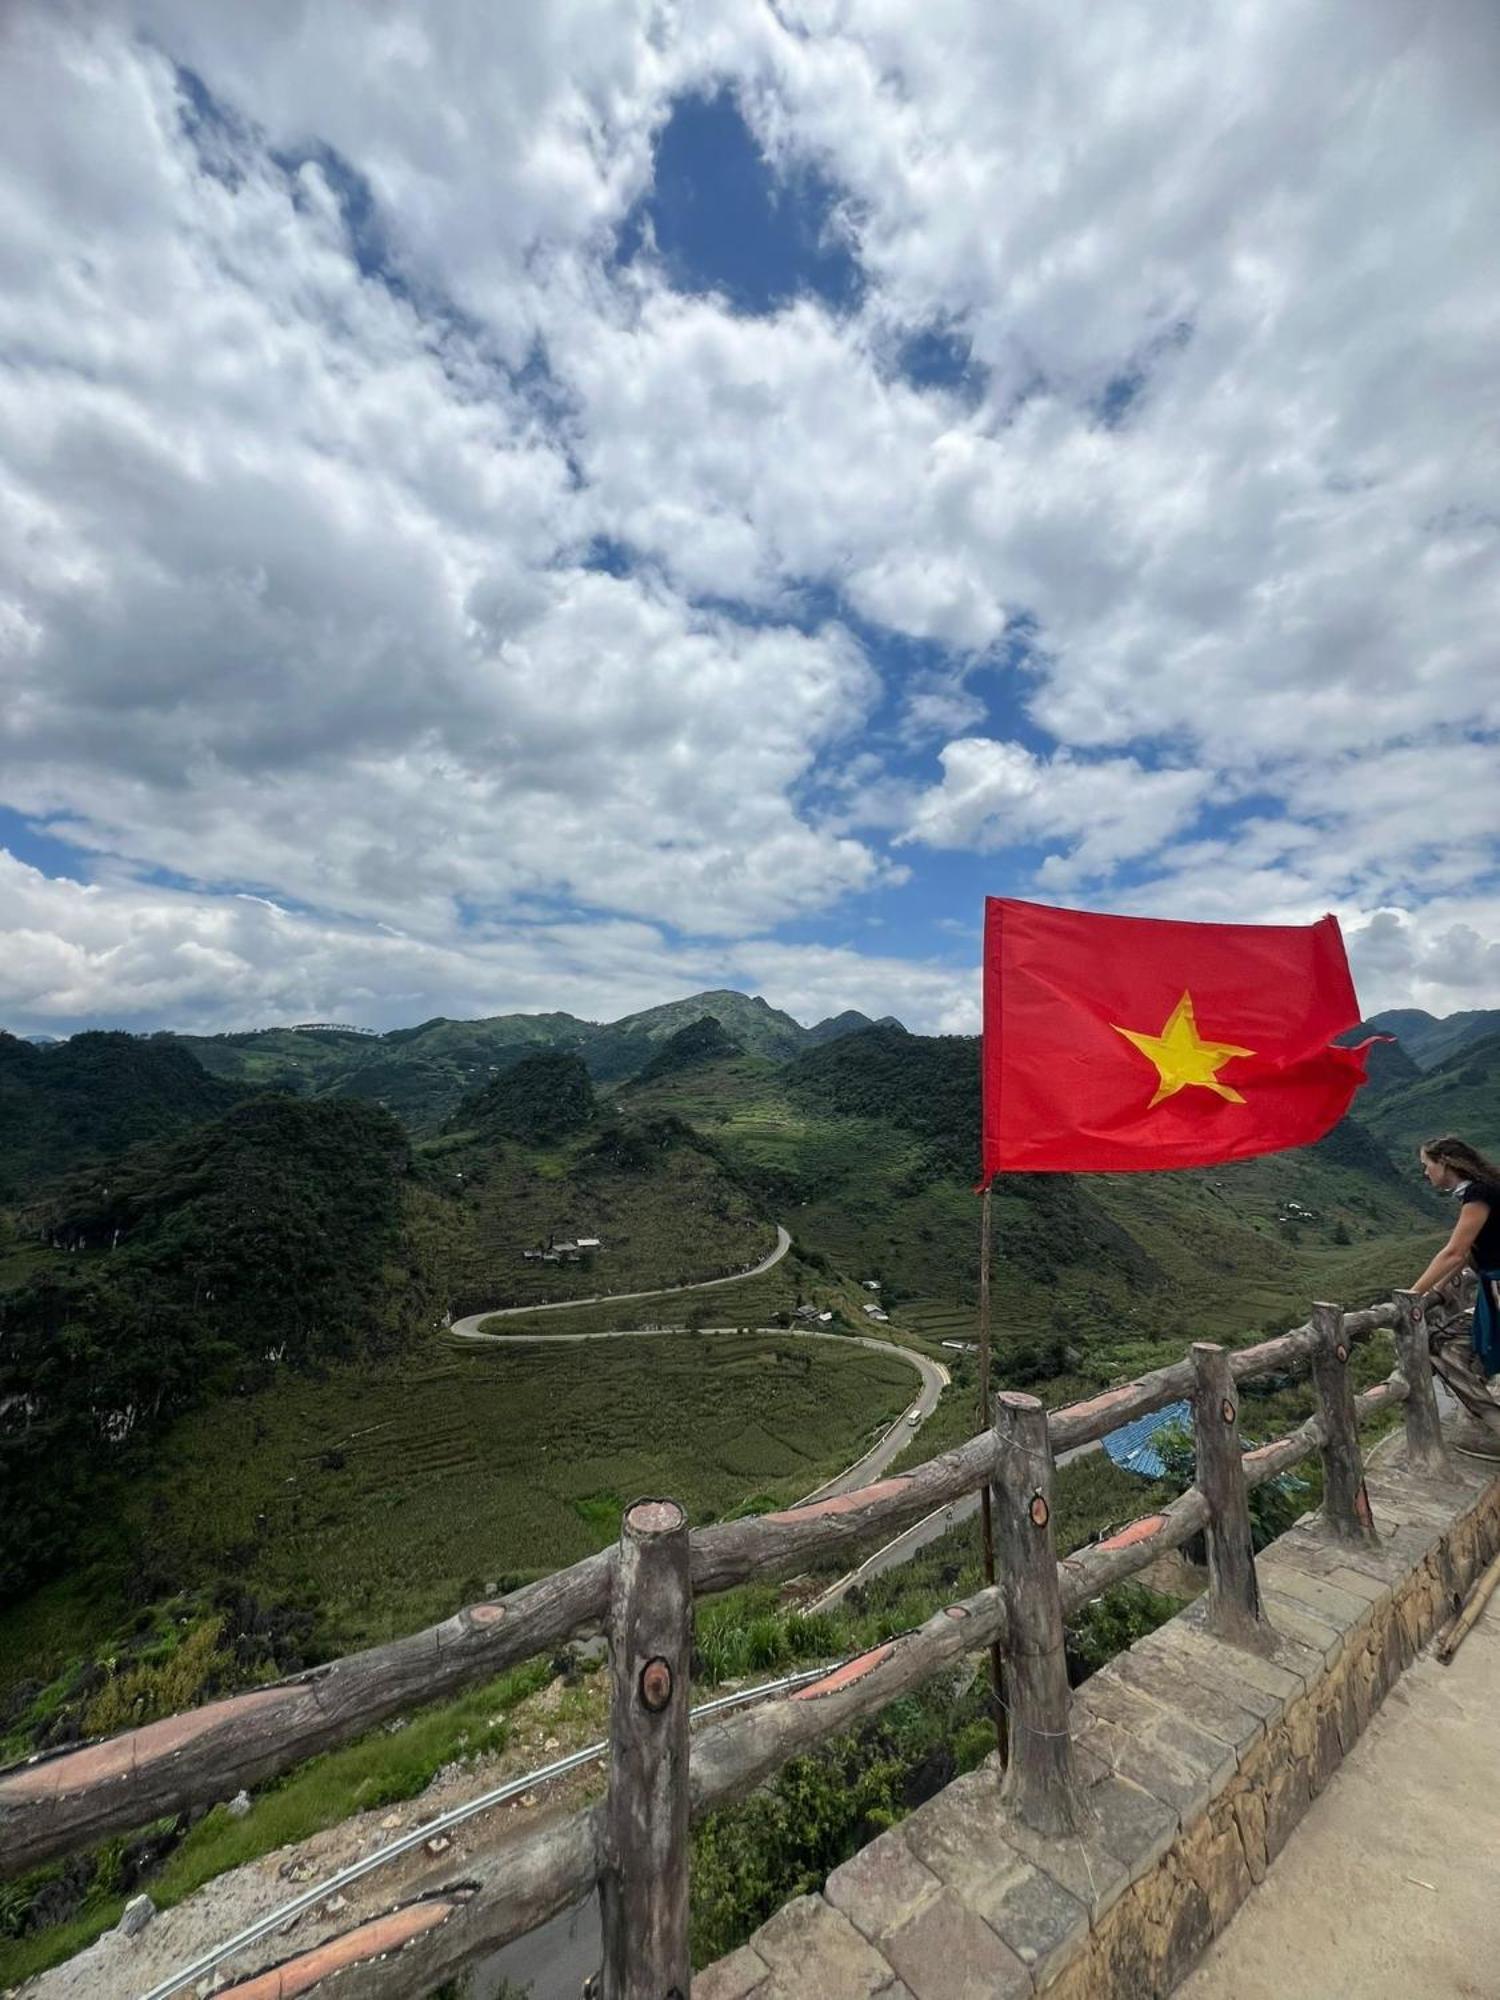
column 1132, row 1445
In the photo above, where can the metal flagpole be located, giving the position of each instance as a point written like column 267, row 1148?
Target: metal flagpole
column 986, row 1420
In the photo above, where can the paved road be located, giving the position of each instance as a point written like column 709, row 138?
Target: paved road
column 1386, row 1890
column 465, row 1328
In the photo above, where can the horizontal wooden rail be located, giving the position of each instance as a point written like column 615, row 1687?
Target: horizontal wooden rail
column 518, row 1884
column 69, row 1799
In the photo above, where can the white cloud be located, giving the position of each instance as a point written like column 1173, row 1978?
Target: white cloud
column 291, row 570
column 292, row 584
column 996, row 795
column 74, row 954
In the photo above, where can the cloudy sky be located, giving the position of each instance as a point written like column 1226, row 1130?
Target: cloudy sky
column 514, row 507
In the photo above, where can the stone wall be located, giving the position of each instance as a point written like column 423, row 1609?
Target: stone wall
column 1196, row 1759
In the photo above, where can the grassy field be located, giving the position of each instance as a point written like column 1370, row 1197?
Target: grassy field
column 669, row 1217
column 384, row 1498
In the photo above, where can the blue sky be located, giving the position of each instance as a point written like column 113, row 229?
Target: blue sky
column 509, row 513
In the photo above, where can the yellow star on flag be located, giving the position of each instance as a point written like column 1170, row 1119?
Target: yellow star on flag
column 1182, row 1057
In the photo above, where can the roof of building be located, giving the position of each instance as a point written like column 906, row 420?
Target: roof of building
column 1132, row 1446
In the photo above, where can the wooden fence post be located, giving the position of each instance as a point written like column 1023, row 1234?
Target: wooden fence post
column 1346, row 1505
column 644, row 1887
column 1038, row 1784
column 1425, row 1450
column 1234, row 1608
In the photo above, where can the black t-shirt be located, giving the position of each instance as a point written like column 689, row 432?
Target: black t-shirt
column 1485, row 1251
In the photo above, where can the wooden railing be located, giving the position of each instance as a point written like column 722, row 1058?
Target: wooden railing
column 634, row 1844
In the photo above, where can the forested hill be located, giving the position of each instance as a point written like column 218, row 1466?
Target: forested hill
column 287, row 1233
column 929, row 1084
column 91, row 1097
column 423, row 1073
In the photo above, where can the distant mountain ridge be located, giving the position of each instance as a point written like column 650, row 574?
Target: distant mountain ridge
column 422, row 1073
column 1428, row 1039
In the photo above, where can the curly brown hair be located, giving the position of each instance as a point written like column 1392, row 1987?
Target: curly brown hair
column 1462, row 1157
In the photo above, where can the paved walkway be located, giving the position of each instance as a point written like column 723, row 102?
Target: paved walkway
column 1388, row 1888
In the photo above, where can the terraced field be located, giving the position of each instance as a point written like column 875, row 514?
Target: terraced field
column 384, row 1499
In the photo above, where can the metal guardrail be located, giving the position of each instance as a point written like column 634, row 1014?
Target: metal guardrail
column 442, row 1823
column 635, row 1844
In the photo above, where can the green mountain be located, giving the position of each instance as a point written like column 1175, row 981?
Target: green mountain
column 419, row 1073
column 1460, row 1093
column 653, row 1200
column 544, row 1096
column 422, row 1073
column 758, row 1027
column 867, row 1148
column 1429, row 1040
column 850, row 1022
column 705, row 1041
column 90, row 1098
column 285, row 1235
column 1387, row 1064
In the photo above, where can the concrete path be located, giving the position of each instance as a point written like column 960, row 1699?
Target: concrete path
column 1387, row 1890
column 466, row 1328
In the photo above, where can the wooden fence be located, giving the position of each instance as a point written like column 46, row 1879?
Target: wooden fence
column 634, row 1844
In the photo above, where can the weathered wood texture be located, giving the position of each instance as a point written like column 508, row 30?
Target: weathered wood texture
column 1425, row 1450
column 1234, row 1609
column 57, row 1803
column 1038, row 1783
column 1346, row 1505
column 986, row 1495
column 519, row 1886
column 644, row 1889
column 54, row 1804
column 505, row 1891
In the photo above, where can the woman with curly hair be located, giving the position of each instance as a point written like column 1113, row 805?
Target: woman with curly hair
column 1456, row 1167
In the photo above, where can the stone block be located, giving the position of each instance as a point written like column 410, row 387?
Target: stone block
column 812, row 1948
column 1289, row 1615
column 1344, row 1610
column 1198, row 1699
column 961, row 1837
column 1178, row 1919
column 1171, row 1757
column 1182, row 1783
column 1304, row 1663
column 948, row 1952
column 1253, row 1679
column 882, row 1887
column 1213, row 1854
column 1129, row 1823
column 741, row 1976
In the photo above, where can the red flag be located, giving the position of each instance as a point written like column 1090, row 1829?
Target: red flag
column 1130, row 1044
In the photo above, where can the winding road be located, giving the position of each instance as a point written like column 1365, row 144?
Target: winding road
column 467, row 1328
column 934, row 1376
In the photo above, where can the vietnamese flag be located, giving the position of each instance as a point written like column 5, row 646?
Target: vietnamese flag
column 1132, row 1044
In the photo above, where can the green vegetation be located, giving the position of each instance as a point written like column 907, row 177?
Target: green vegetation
column 237, row 1446
column 703, row 1041
column 89, row 1099
column 1429, row 1040
column 1460, row 1093
column 377, row 1499
column 543, row 1097
column 655, row 1193
column 280, row 1236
